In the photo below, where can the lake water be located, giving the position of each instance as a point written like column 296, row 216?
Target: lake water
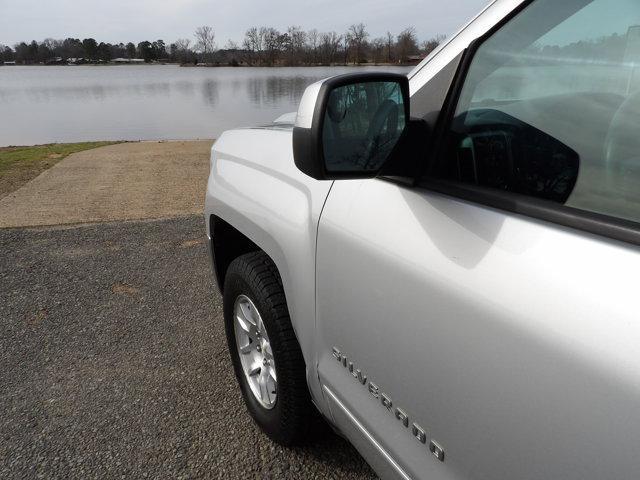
column 69, row 104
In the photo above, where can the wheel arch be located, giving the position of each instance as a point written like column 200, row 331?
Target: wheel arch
column 227, row 243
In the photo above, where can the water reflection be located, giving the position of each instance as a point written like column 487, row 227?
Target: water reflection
column 210, row 92
column 93, row 92
column 144, row 102
column 262, row 90
column 185, row 87
column 272, row 90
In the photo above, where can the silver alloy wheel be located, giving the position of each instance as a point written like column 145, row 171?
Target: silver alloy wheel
column 255, row 352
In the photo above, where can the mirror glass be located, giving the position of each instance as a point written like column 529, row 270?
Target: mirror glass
column 362, row 124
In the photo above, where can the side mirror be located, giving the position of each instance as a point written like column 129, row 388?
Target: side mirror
column 347, row 126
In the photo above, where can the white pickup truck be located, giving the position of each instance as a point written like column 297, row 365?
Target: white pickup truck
column 445, row 265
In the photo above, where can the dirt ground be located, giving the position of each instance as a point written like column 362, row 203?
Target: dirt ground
column 126, row 181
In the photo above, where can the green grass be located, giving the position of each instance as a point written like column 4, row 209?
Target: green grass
column 10, row 156
column 18, row 165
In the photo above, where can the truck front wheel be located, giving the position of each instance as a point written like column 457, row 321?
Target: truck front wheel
column 265, row 353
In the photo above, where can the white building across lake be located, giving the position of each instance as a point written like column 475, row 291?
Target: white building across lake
column 128, row 60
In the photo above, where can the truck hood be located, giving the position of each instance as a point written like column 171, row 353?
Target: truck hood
column 286, row 119
column 283, row 122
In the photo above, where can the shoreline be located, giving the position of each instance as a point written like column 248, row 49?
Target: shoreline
column 188, row 65
column 109, row 142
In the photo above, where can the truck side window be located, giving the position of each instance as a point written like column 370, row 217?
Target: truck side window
column 550, row 108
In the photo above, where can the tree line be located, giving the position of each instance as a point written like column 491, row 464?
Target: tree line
column 263, row 46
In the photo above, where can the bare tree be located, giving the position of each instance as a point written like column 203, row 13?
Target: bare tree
column 295, row 39
column 430, row 45
column 272, row 41
column 377, row 48
column 231, row 45
column 357, row 39
column 345, row 47
column 407, row 44
column 205, row 41
column 182, row 49
column 253, row 44
column 390, row 43
column 313, row 39
column 329, row 47
column 183, row 43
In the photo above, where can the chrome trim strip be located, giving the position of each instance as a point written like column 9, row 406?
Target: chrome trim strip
column 368, row 435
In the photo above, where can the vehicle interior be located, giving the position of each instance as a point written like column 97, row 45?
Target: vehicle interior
column 549, row 112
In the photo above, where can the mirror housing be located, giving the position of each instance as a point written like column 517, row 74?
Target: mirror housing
column 348, row 126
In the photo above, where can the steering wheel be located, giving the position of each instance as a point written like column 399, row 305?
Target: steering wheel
column 386, row 115
column 622, row 145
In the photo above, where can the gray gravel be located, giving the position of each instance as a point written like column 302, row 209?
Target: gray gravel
column 113, row 363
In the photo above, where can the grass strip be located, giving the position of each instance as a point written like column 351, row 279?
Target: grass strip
column 18, row 165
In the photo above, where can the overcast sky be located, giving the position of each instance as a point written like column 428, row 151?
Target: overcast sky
column 136, row 20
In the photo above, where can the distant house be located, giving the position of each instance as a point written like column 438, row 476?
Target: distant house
column 415, row 59
column 55, row 61
column 128, row 60
column 10, row 63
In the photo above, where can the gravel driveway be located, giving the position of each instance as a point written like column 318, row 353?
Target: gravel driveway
column 113, row 363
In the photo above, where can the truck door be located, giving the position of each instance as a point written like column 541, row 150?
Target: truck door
column 483, row 324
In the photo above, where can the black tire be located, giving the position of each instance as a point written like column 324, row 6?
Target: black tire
column 289, row 421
